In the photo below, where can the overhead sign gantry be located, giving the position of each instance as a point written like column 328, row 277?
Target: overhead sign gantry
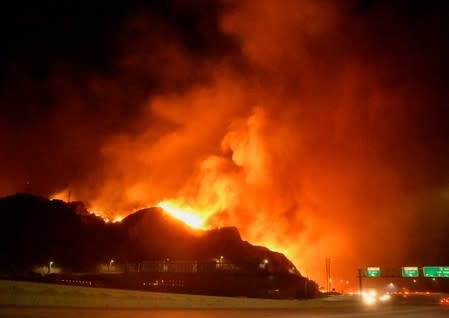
column 372, row 272
column 436, row 271
column 410, row 271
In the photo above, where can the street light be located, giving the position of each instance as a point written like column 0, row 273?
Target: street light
column 49, row 266
column 219, row 262
column 110, row 264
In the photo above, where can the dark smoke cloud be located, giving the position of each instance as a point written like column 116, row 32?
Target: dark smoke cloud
column 319, row 128
column 74, row 74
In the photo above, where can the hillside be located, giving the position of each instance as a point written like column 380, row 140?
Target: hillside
column 36, row 230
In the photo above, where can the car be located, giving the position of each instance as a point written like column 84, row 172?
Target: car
column 444, row 301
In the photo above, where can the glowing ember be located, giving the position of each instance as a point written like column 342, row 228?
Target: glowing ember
column 183, row 213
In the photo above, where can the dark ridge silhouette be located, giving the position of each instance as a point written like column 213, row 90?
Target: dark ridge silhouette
column 36, row 230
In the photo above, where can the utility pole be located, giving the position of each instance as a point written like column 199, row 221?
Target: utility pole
column 360, row 281
column 306, row 288
column 328, row 274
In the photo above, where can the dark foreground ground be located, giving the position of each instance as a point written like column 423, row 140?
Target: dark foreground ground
column 407, row 311
column 26, row 300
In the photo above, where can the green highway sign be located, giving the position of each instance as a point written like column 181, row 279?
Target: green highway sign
column 372, row 272
column 436, row 271
column 410, row 271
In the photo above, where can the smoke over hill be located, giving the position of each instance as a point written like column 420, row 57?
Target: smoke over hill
column 316, row 128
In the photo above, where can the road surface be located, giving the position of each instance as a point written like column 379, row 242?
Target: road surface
column 409, row 312
column 411, row 308
column 31, row 300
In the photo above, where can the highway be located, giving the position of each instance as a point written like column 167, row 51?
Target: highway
column 412, row 306
column 410, row 312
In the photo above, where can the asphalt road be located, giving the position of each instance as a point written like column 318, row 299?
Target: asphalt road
column 412, row 306
column 409, row 312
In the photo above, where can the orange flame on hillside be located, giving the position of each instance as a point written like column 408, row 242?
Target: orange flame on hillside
column 194, row 218
column 185, row 214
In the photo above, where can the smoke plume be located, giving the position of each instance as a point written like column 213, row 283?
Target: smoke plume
column 318, row 128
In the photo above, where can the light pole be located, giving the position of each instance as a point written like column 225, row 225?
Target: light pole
column 110, row 265
column 220, row 262
column 265, row 261
column 359, row 276
column 49, row 266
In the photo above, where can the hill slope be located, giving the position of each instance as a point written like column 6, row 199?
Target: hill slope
column 36, row 230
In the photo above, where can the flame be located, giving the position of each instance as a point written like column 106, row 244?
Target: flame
column 184, row 213
column 61, row 195
column 117, row 219
column 100, row 215
column 105, row 218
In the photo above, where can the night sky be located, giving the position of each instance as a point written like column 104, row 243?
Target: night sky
column 318, row 128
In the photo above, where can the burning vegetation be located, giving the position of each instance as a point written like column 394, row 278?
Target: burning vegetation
column 147, row 250
column 316, row 128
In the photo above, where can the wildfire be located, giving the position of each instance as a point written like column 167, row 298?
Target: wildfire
column 117, row 219
column 183, row 213
column 106, row 219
